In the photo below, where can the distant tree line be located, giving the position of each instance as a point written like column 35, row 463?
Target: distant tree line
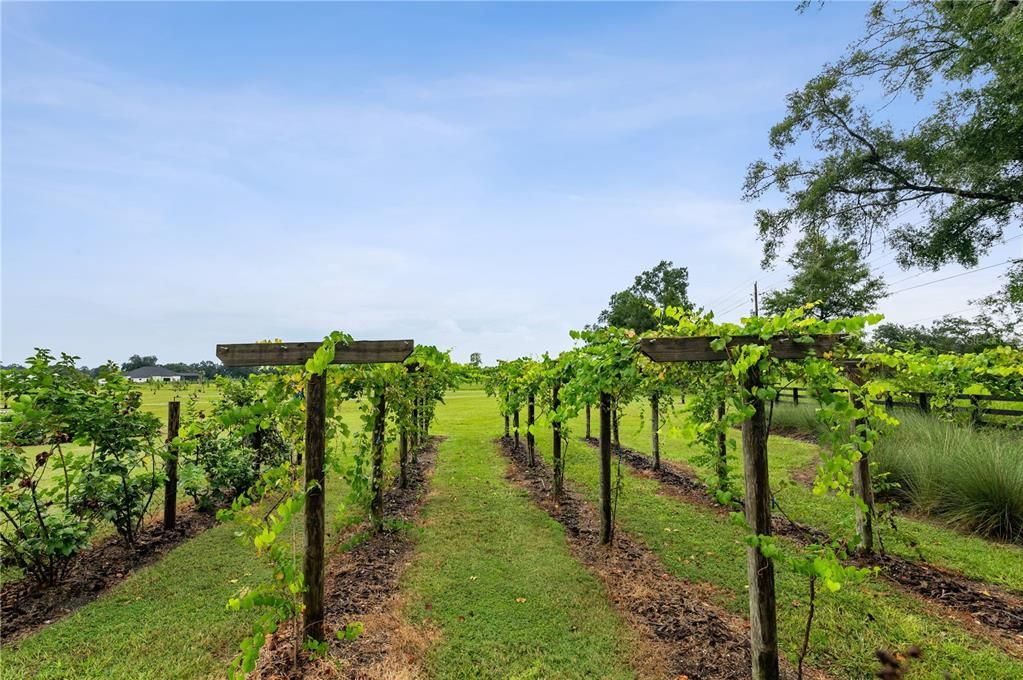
column 208, row 370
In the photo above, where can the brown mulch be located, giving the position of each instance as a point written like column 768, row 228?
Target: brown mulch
column 974, row 601
column 795, row 433
column 681, row 634
column 25, row 606
column 362, row 587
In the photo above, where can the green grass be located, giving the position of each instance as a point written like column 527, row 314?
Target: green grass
column 167, row 621
column 974, row 556
column 485, row 544
column 699, row 545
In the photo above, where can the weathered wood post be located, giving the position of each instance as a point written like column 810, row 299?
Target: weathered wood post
column 376, row 507
column 403, row 458
column 515, row 426
column 759, row 569
column 722, row 461
column 296, row 354
column 925, row 402
column 315, row 518
column 530, row 438
column 863, row 486
column 559, row 463
column 795, row 396
column 507, row 427
column 170, row 497
column 416, row 437
column 975, row 410
column 588, row 431
column 606, row 529
column 655, row 429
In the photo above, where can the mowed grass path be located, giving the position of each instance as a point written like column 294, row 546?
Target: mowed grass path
column 484, row 547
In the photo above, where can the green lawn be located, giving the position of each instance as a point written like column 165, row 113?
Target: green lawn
column 484, row 547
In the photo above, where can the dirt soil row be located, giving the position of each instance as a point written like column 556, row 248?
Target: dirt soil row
column 983, row 604
column 362, row 587
column 26, row 607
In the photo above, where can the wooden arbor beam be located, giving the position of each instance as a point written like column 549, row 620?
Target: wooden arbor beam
column 297, row 353
column 698, row 348
column 759, row 569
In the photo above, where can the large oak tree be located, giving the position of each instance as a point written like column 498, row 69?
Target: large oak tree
column 943, row 187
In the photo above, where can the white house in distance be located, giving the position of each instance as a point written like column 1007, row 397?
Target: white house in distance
column 158, row 374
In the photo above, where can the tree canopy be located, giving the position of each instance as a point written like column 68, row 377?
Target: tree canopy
column 832, row 272
column 136, row 361
column 653, row 290
column 949, row 334
column 943, row 188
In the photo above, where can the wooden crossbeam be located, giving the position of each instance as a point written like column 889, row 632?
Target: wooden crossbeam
column 297, row 353
column 698, row 348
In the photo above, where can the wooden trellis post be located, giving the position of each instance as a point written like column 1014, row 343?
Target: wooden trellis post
column 722, row 462
column 515, row 426
column 376, row 506
column 530, row 438
column 315, row 513
column 863, row 485
column 559, row 463
column 403, row 458
column 655, row 426
column 415, row 425
column 588, row 431
column 759, row 569
column 170, row 497
column 507, row 427
column 606, row 530
column 296, row 354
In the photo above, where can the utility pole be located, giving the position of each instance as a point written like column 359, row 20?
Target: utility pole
column 756, row 300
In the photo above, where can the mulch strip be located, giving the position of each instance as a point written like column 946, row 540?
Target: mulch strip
column 983, row 604
column 26, row 607
column 361, row 587
column 682, row 635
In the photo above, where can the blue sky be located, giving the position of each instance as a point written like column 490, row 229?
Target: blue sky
column 477, row 176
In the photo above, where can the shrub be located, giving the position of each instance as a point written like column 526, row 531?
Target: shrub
column 42, row 529
column 216, row 469
column 121, row 474
column 45, row 518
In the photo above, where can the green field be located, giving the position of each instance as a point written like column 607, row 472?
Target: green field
column 494, row 583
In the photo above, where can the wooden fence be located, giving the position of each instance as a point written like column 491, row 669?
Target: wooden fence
column 978, row 408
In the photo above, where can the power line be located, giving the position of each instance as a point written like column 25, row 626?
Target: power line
column 954, row 276
column 928, row 318
column 728, row 295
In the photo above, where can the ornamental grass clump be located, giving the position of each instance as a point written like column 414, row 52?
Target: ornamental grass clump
column 971, row 478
